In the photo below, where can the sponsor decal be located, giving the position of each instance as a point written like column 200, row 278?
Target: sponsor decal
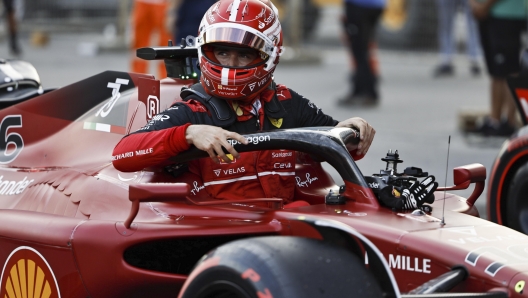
column 263, row 81
column 217, row 172
column 211, row 17
column 206, row 80
column 280, row 94
column 11, row 144
column 281, row 154
column 374, row 185
column 123, row 155
column 160, row 118
column 270, row 18
column 107, row 107
column 305, row 183
column 234, row 171
column 252, row 275
column 153, row 106
column 227, row 93
column 261, row 14
column 149, row 95
column 281, row 165
column 261, row 25
column 132, row 153
column 9, row 188
column 408, row 263
column 197, row 188
column 210, row 12
column 144, row 151
column 252, row 86
column 276, row 122
column 227, row 88
column 26, row 273
column 251, row 140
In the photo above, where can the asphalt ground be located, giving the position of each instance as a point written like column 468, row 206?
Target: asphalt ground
column 417, row 113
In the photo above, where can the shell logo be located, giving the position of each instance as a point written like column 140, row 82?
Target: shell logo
column 26, row 274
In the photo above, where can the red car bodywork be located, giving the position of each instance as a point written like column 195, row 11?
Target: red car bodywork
column 68, row 227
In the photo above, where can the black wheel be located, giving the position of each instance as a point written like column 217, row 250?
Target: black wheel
column 517, row 199
column 286, row 267
column 408, row 24
column 506, row 204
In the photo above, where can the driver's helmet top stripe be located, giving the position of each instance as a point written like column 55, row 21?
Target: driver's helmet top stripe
column 234, row 10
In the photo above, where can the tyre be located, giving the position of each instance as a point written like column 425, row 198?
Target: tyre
column 508, row 185
column 408, row 24
column 278, row 266
column 517, row 208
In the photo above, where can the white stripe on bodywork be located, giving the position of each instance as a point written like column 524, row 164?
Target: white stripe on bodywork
column 234, row 10
column 225, row 76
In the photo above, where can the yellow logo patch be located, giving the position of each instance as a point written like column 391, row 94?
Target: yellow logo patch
column 276, row 122
column 237, row 109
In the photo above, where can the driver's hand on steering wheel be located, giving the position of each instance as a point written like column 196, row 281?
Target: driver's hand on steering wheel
column 366, row 134
column 211, row 139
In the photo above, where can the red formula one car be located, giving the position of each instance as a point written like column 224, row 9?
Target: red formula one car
column 71, row 225
column 508, row 189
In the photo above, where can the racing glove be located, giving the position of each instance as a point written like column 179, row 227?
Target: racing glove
column 419, row 193
column 412, row 197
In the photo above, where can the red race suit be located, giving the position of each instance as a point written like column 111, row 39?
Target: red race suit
column 269, row 173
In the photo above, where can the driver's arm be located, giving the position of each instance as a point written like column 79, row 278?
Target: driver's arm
column 168, row 134
column 308, row 114
column 149, row 148
column 366, row 135
column 157, row 141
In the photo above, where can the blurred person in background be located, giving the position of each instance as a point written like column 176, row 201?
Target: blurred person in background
column 10, row 15
column 447, row 11
column 148, row 18
column 501, row 24
column 362, row 17
column 184, row 17
column 183, row 20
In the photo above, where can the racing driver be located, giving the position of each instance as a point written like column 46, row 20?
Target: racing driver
column 239, row 46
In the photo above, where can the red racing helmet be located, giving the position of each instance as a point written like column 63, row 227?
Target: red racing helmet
column 239, row 23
